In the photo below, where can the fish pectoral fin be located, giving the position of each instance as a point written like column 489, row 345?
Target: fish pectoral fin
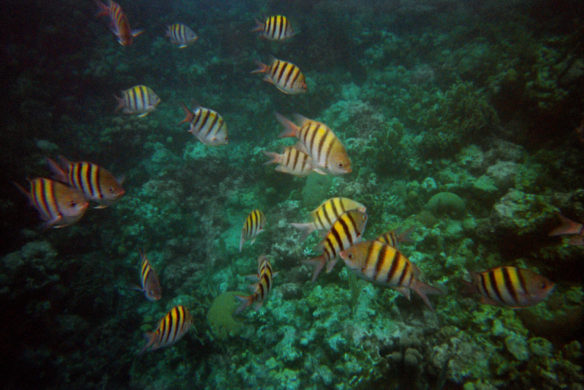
column 142, row 115
column 404, row 291
column 319, row 171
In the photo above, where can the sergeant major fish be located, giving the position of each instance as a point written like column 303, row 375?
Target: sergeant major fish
column 347, row 230
column 119, row 22
column 275, row 28
column 327, row 213
column 383, row 264
column 181, row 35
column 262, row 287
column 172, row 327
column 96, row 183
column 139, row 99
column 510, row 286
column 569, row 227
column 292, row 161
column 285, row 76
column 149, row 279
column 58, row 204
column 253, row 225
column 326, row 150
column 207, row 125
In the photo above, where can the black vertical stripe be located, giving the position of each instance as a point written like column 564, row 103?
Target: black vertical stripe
column 261, row 288
column 289, row 71
column 493, row 282
column 319, row 219
column 314, row 127
column 338, row 210
column 369, row 254
column 330, row 223
column 335, row 233
column 204, row 120
column 405, row 270
column 394, row 263
column 98, row 180
column 280, row 25
column 296, row 155
column 329, row 249
column 347, row 229
column 483, row 284
column 521, row 280
column 282, row 66
column 212, row 125
column 196, row 118
column 297, row 74
column 79, row 183
column 379, row 264
column 509, row 285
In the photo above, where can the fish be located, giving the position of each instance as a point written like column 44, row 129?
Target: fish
column 261, row 288
column 119, row 22
column 393, row 238
column 207, row 125
column 275, row 28
column 58, row 204
column 327, row 213
column 380, row 263
column 285, row 76
column 253, row 225
column 181, row 35
column 172, row 327
column 326, row 150
column 292, row 161
column 509, row 286
column 345, row 232
column 139, row 99
column 96, row 183
column 149, row 279
column 569, row 227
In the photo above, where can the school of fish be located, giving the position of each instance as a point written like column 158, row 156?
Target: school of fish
column 63, row 199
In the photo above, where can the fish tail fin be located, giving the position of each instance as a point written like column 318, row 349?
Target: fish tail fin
column 291, row 130
column 245, row 301
column 275, row 158
column 149, row 336
column 567, row 227
column 102, row 9
column 405, row 235
column 305, row 229
column 262, row 68
column 121, row 103
column 58, row 172
column 22, row 189
column 188, row 114
column 423, row 290
column 318, row 264
column 259, row 26
column 137, row 32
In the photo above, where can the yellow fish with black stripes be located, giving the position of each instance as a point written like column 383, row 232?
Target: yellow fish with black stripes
column 275, row 28
column 380, row 263
column 510, row 286
column 292, row 161
column 326, row 150
column 181, row 35
column 172, row 327
column 139, row 99
column 261, row 288
column 284, row 75
column 207, row 125
column 253, row 225
column 149, row 279
column 327, row 213
column 58, row 204
column 347, row 230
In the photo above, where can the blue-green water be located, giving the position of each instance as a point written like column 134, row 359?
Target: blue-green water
column 483, row 100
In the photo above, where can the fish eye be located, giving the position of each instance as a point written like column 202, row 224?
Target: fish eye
column 350, row 256
column 111, row 190
column 72, row 203
column 543, row 285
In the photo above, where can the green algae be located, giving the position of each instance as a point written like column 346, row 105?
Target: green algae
column 220, row 316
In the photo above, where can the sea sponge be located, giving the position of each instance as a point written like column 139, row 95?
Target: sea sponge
column 220, row 315
column 446, row 203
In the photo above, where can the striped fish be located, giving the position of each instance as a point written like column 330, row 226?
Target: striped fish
column 207, row 125
column 181, row 35
column 262, row 287
column 383, row 264
column 275, row 28
column 285, row 76
column 96, row 183
column 327, row 152
column 346, row 231
column 173, row 326
column 253, row 225
column 393, row 238
column 327, row 213
column 139, row 99
column 149, row 279
column 58, row 204
column 571, row 228
column 119, row 22
column 510, row 286
column 292, row 161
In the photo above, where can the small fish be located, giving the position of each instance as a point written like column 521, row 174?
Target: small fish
column 383, row 264
column 139, row 99
column 327, row 213
column 58, row 204
column 569, row 227
column 393, row 238
column 510, row 286
column 96, row 183
column 326, row 150
column 149, row 279
column 292, row 161
column 181, row 35
column 285, row 76
column 253, row 225
column 345, row 232
column 173, row 326
column 275, row 28
column 262, row 287
column 119, row 22
column 207, row 125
